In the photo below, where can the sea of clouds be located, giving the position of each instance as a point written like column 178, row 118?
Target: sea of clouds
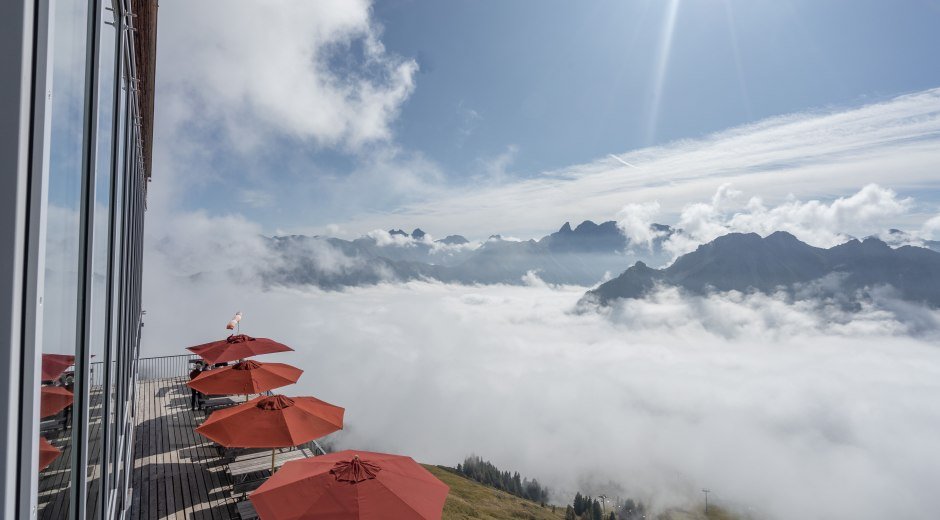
column 785, row 409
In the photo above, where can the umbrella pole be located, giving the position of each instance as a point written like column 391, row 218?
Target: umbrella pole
column 272, row 462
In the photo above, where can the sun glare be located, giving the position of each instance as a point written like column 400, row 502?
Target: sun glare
column 662, row 64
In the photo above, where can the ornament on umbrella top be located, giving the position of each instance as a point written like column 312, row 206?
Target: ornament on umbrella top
column 234, row 324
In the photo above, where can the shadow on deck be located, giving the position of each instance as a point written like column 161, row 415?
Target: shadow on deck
column 177, row 473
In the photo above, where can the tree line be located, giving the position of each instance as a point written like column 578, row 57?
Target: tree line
column 587, row 508
column 486, row 473
column 584, row 507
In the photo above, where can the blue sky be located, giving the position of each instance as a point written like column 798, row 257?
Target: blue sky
column 355, row 115
column 567, row 82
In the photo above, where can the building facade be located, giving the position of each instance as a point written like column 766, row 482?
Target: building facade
column 76, row 120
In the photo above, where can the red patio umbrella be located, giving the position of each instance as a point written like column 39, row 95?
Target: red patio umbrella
column 236, row 346
column 54, row 364
column 247, row 377
column 53, row 399
column 273, row 422
column 351, row 485
column 47, row 453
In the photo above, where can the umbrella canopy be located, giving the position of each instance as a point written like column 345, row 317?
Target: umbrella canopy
column 53, row 399
column 247, row 377
column 47, row 453
column 54, row 364
column 273, row 422
column 236, row 346
column 351, row 485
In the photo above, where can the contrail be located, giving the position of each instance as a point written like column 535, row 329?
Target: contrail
column 622, row 161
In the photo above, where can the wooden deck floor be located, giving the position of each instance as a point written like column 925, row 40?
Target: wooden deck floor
column 176, row 471
column 55, row 481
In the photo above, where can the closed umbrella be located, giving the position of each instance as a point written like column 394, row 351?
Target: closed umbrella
column 54, row 364
column 273, row 422
column 247, row 377
column 237, row 346
column 47, row 453
column 351, row 485
column 53, row 399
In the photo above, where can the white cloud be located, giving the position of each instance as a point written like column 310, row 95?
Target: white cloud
column 931, row 228
column 662, row 397
column 384, row 239
column 248, row 92
column 532, row 279
column 815, row 222
column 328, row 260
column 811, row 156
column 312, row 70
column 381, row 178
column 495, row 170
column 824, row 222
column 635, row 221
column 193, row 243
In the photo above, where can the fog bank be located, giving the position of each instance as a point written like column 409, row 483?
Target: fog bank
column 784, row 408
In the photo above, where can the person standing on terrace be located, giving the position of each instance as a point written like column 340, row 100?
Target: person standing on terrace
column 195, row 397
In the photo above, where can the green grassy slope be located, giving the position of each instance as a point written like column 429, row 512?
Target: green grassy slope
column 471, row 500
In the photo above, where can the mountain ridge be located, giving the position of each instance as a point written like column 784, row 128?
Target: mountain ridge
column 748, row 262
column 580, row 256
column 586, row 254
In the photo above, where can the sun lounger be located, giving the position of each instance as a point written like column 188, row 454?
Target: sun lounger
column 210, row 404
column 247, row 511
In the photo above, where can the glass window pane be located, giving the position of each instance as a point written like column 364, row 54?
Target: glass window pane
column 98, row 434
column 60, row 294
column 119, row 373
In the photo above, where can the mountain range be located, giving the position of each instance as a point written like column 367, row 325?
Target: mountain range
column 589, row 253
column 583, row 255
column 748, row 262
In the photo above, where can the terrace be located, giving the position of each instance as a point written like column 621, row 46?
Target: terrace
column 178, row 473
column 55, row 481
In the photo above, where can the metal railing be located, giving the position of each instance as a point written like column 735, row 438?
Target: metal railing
column 164, row 367
column 313, row 447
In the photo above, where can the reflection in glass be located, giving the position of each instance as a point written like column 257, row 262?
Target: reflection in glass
column 116, row 360
column 62, row 260
column 97, row 433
